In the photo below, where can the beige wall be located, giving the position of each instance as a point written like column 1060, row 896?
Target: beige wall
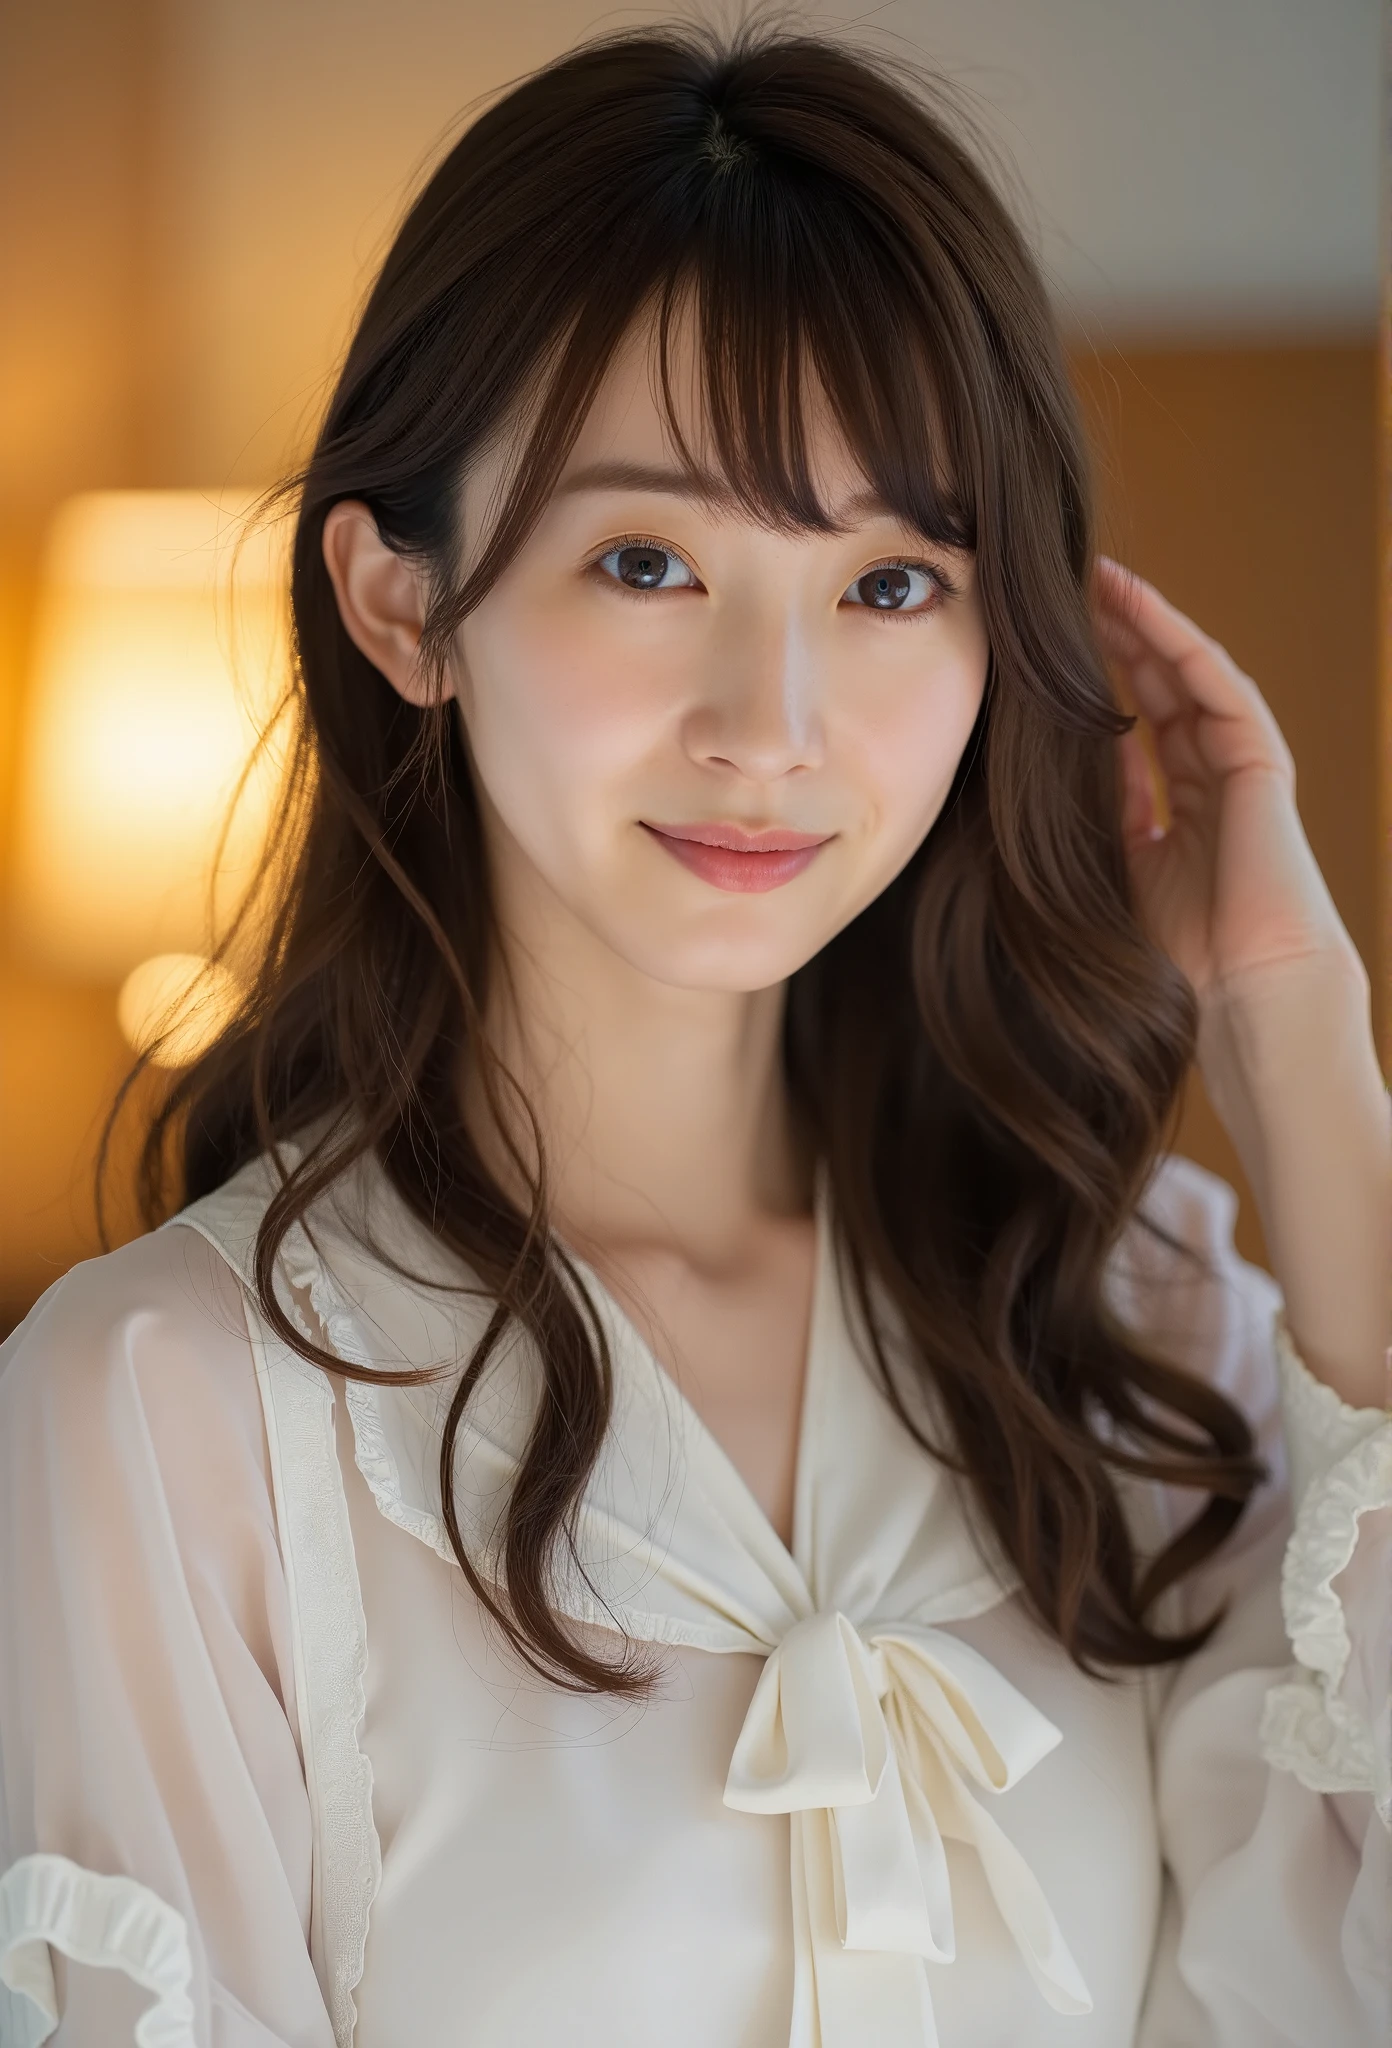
column 1244, row 482
column 77, row 84
column 161, row 324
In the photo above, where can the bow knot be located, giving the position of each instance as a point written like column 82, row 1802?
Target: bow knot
column 869, row 1740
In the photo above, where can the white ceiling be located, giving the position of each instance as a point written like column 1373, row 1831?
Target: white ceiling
column 1187, row 167
column 1189, row 164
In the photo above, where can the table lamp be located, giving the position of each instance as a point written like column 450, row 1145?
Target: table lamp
column 159, row 655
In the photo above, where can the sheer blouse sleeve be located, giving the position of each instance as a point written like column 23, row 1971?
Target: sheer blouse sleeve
column 155, row 1840
column 1272, row 1745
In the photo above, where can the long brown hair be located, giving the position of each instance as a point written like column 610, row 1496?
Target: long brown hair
column 989, row 1059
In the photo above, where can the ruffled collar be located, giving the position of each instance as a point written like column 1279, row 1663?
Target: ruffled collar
column 872, row 1726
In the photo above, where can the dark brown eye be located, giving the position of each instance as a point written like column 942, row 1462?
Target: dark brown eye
column 885, row 589
column 642, row 568
column 897, row 586
column 643, row 565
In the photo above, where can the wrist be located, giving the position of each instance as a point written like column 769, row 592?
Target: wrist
column 1293, row 1073
column 1280, row 1047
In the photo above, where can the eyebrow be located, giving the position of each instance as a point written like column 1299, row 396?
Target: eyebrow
column 701, row 485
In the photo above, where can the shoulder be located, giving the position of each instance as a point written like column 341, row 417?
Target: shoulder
column 171, row 1283
column 1178, row 1280
column 1187, row 1201
column 1181, row 1288
column 1188, row 1297
column 146, row 1345
column 138, row 1528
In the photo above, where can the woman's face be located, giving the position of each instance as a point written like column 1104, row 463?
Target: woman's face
column 654, row 663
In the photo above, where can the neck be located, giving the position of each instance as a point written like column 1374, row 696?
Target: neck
column 663, row 1111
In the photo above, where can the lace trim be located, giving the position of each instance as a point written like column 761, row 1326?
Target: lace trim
column 1320, row 1427
column 330, row 1631
column 1307, row 1728
column 1315, row 1737
column 373, row 1453
column 111, row 1922
column 377, row 1462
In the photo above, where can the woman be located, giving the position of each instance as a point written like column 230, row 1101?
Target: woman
column 645, row 1490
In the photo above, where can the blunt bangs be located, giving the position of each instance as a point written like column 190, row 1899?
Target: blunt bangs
column 802, row 298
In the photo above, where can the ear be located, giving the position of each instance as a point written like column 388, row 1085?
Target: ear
column 381, row 598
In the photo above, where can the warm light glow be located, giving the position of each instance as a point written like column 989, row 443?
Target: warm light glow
column 159, row 655
column 175, row 1005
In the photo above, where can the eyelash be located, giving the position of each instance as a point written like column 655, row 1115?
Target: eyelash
column 946, row 587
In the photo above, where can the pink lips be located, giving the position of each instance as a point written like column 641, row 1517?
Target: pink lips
column 730, row 857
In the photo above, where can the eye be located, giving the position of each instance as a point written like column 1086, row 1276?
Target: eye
column 642, row 565
column 910, row 587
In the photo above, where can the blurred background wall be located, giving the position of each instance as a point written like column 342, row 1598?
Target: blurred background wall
column 193, row 195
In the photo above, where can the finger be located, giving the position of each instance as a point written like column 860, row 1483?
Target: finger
column 1140, row 817
column 1169, row 723
column 1182, row 777
column 1205, row 715
column 1144, row 683
column 1133, row 611
column 1179, row 673
column 1114, row 584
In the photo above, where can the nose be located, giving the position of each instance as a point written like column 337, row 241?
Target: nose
column 759, row 709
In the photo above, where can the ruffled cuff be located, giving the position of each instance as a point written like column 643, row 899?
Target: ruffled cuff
column 1334, row 1736
column 110, row 1922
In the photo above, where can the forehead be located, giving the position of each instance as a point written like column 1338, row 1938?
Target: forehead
column 751, row 435
column 629, row 428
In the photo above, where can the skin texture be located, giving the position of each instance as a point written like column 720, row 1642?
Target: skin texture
column 758, row 688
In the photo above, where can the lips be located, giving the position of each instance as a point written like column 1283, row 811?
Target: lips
column 732, row 858
column 738, row 838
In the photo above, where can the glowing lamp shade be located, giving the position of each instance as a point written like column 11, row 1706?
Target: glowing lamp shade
column 159, row 654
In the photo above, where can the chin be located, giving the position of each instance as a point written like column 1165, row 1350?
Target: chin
column 732, row 963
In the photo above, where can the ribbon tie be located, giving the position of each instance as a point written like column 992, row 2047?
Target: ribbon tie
column 868, row 1741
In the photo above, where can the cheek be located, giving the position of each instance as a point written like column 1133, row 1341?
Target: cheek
column 555, row 719
column 906, row 739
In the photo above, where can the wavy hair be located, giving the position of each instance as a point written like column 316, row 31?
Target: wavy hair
column 989, row 1059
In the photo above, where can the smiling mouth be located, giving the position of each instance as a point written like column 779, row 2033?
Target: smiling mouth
column 739, row 838
column 732, row 858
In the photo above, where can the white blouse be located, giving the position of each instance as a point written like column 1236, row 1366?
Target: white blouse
column 268, row 1779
